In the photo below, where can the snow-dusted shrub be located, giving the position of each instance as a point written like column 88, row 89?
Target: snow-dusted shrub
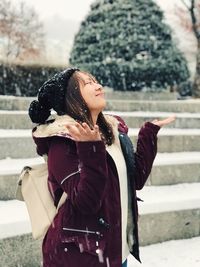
column 127, row 46
column 23, row 80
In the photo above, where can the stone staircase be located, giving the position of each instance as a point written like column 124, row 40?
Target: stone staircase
column 171, row 207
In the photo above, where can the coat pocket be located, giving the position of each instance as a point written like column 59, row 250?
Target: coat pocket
column 87, row 241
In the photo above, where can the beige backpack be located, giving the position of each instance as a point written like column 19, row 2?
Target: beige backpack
column 32, row 188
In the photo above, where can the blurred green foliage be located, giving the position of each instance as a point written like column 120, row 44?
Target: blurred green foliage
column 126, row 45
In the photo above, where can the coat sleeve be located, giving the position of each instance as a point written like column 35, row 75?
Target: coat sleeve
column 82, row 173
column 145, row 154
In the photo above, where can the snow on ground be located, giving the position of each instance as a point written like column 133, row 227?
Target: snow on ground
column 175, row 253
column 14, row 133
column 16, row 112
column 156, row 198
column 166, row 131
column 152, row 114
column 10, row 166
column 14, row 218
column 177, row 158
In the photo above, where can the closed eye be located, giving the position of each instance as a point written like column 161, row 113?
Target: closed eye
column 89, row 82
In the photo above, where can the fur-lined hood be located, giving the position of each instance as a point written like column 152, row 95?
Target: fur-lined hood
column 56, row 127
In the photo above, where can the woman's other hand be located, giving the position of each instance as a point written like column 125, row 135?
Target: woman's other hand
column 82, row 132
column 164, row 122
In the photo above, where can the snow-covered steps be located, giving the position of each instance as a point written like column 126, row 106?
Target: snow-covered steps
column 140, row 96
column 21, row 120
column 123, row 101
column 14, row 220
column 174, row 253
column 174, row 168
column 174, row 140
column 159, row 199
column 15, row 120
column 23, row 251
column 17, row 245
column 183, row 120
column 13, row 166
column 22, row 103
column 168, row 168
column 14, row 102
column 160, row 227
column 170, row 212
column 19, row 143
column 176, row 106
column 16, row 144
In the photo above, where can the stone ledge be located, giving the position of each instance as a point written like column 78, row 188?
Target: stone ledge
column 24, row 147
column 20, row 251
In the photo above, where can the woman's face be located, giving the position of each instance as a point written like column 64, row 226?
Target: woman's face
column 92, row 92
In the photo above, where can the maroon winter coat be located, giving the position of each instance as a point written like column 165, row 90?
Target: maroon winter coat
column 89, row 176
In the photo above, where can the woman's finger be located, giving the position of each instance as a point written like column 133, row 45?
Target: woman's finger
column 96, row 128
column 86, row 127
column 154, row 121
column 80, row 128
column 168, row 120
column 165, row 121
column 73, row 131
column 97, row 133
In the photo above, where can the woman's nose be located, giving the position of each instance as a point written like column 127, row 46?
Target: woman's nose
column 98, row 86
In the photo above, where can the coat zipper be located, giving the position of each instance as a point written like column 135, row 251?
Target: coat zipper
column 83, row 231
column 71, row 174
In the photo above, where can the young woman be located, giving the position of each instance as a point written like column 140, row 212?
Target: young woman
column 91, row 158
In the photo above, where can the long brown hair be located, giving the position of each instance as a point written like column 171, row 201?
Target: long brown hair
column 77, row 108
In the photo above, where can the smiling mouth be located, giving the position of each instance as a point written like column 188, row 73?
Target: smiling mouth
column 101, row 94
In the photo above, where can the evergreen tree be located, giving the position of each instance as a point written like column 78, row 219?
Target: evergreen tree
column 127, row 46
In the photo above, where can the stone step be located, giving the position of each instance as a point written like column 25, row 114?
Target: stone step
column 9, row 174
column 21, row 120
column 162, row 218
column 174, row 211
column 168, row 168
column 22, row 103
column 175, row 106
column 15, row 102
column 169, row 254
column 175, row 168
column 19, row 143
column 141, row 96
column 183, row 120
column 22, row 251
column 14, row 120
column 122, row 102
column 173, row 139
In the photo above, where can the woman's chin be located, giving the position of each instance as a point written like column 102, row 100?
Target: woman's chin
column 103, row 105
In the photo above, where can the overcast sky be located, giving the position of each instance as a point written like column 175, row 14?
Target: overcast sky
column 61, row 20
column 67, row 9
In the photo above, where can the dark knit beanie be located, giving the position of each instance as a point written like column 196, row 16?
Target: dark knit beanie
column 51, row 95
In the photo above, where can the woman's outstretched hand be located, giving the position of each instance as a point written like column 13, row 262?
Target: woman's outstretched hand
column 164, row 122
column 82, row 132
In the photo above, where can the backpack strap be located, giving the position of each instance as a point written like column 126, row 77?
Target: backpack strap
column 62, row 200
